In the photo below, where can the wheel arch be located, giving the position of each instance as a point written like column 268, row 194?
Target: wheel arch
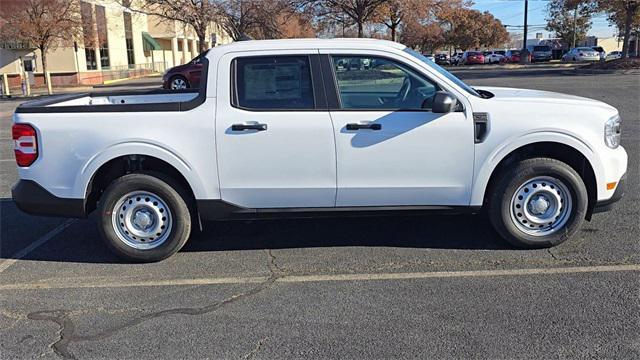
column 127, row 164
column 580, row 160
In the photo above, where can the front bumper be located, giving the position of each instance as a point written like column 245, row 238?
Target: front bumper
column 33, row 199
column 607, row 205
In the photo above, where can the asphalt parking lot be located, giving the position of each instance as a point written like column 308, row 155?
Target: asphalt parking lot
column 376, row 287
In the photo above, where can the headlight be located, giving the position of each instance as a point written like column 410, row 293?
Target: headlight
column 612, row 131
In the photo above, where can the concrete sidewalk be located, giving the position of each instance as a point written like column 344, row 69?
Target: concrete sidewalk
column 147, row 82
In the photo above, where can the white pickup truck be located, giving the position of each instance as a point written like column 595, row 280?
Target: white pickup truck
column 305, row 127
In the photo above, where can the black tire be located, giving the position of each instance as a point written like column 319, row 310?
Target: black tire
column 179, row 77
column 174, row 197
column 512, row 178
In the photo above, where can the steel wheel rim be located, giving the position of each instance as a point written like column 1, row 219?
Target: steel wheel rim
column 178, row 84
column 541, row 206
column 142, row 220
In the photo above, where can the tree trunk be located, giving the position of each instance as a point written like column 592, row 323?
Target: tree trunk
column 43, row 51
column 202, row 37
column 627, row 30
column 360, row 29
column 393, row 33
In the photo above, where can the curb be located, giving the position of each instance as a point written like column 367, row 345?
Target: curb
column 610, row 71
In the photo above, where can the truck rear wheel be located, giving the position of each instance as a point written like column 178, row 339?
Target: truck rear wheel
column 144, row 217
column 537, row 203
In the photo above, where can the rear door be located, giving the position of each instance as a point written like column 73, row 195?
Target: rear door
column 390, row 149
column 275, row 140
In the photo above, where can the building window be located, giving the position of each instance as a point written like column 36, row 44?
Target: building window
column 86, row 14
column 103, row 43
column 179, row 45
column 128, row 36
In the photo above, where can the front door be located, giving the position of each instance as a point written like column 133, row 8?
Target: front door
column 275, row 141
column 391, row 149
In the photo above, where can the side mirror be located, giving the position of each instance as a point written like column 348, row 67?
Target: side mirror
column 443, row 103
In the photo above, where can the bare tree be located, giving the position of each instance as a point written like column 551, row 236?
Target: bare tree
column 46, row 24
column 570, row 20
column 360, row 11
column 625, row 14
column 195, row 13
column 260, row 19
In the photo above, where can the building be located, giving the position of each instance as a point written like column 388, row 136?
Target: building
column 116, row 43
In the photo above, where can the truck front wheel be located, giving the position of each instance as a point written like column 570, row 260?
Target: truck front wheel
column 144, row 217
column 537, row 203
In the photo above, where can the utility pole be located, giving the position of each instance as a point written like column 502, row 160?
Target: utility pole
column 524, row 56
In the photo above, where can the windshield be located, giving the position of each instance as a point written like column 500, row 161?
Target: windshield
column 442, row 71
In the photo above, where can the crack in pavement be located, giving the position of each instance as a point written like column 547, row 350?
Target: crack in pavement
column 252, row 353
column 67, row 330
column 552, row 254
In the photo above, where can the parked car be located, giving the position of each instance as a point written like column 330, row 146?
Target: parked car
column 494, row 57
column 513, row 56
column 614, row 55
column 431, row 57
column 601, row 52
column 185, row 76
column 472, row 57
column 581, row 54
column 455, row 59
column 486, row 54
column 402, row 135
column 540, row 53
column 442, row 59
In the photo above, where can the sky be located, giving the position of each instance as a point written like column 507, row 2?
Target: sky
column 511, row 12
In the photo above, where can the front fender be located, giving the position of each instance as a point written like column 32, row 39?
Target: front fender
column 486, row 165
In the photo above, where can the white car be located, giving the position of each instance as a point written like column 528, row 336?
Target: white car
column 277, row 128
column 494, row 57
column 581, row 54
column 614, row 55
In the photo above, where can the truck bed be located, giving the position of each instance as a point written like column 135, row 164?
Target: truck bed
column 124, row 101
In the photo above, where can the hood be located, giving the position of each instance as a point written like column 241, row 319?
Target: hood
column 179, row 68
column 542, row 97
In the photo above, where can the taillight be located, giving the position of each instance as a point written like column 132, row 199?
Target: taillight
column 25, row 144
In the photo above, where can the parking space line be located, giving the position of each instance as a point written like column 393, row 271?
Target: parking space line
column 34, row 245
column 71, row 283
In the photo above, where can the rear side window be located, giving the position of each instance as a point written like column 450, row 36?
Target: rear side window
column 273, row 83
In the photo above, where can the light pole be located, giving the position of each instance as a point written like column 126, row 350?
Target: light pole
column 524, row 57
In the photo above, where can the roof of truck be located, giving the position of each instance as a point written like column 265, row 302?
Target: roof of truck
column 310, row 43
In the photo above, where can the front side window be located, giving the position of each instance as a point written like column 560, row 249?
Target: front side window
column 273, row 83
column 374, row 83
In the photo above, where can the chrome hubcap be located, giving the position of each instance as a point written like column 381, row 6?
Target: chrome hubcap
column 177, row 84
column 541, row 206
column 142, row 220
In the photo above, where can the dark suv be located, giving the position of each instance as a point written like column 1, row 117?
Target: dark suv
column 540, row 53
column 184, row 76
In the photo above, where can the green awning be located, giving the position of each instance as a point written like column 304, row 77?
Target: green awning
column 149, row 43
